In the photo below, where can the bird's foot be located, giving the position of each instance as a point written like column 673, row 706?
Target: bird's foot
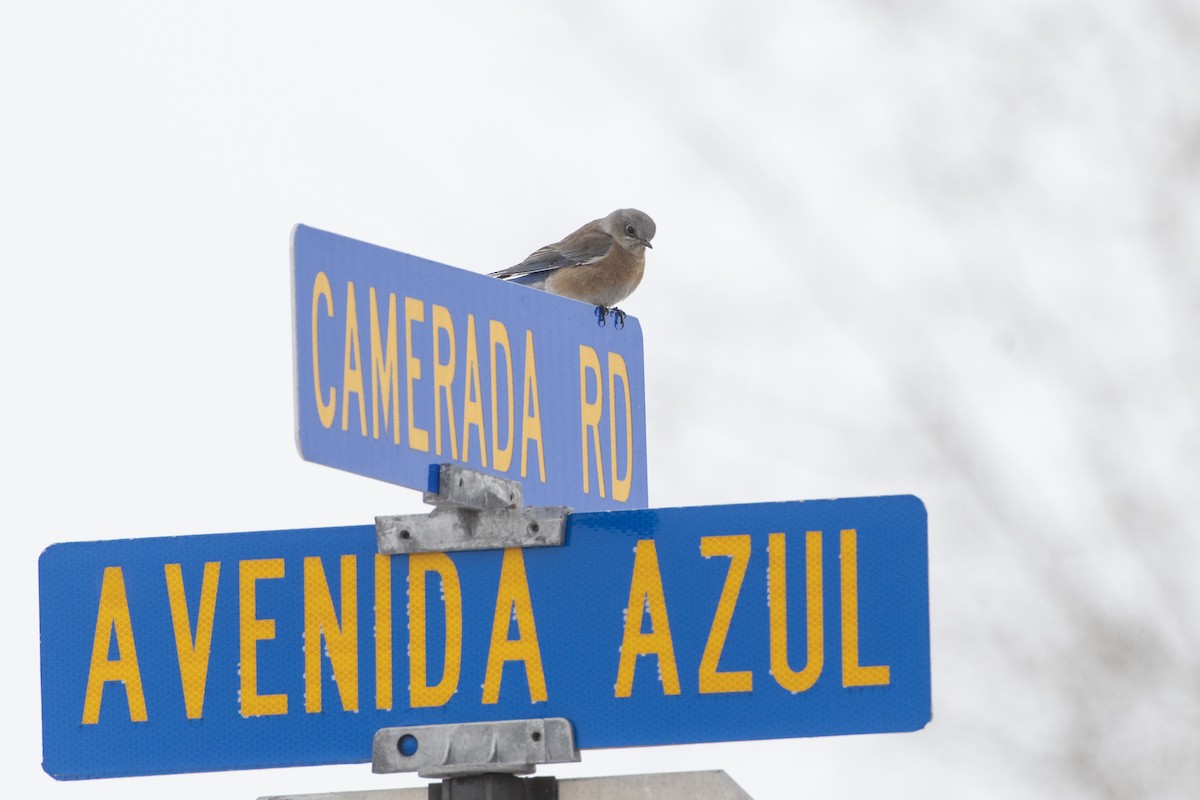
column 602, row 313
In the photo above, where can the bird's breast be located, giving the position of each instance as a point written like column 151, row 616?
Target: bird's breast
column 604, row 283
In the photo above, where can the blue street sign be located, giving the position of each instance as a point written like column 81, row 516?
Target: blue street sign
column 403, row 364
column 288, row 648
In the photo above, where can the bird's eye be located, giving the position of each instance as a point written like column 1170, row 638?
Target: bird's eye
column 630, row 230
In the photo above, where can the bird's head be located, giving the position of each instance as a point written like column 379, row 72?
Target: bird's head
column 632, row 229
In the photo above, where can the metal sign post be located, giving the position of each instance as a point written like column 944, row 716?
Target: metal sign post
column 704, row 785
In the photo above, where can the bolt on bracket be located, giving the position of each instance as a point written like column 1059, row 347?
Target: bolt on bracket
column 472, row 511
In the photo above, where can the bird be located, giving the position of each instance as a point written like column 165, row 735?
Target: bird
column 601, row 263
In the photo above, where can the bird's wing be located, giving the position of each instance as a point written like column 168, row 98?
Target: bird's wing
column 574, row 251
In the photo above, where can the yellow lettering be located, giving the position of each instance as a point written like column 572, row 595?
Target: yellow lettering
column 738, row 549
column 781, row 670
column 385, row 370
column 512, row 602
column 646, row 596
column 501, row 456
column 322, row 289
column 622, row 485
column 193, row 650
column 414, row 311
column 352, row 378
column 443, row 379
column 473, row 399
column 383, row 632
column 341, row 640
column 531, row 420
column 421, row 694
column 852, row 673
column 590, row 412
column 113, row 617
column 254, row 630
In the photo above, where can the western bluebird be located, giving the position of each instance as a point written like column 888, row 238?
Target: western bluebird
column 601, row 263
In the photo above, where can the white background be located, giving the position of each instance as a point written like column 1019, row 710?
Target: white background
column 949, row 249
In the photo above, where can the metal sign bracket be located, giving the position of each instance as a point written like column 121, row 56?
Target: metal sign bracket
column 472, row 511
column 479, row 759
column 514, row 747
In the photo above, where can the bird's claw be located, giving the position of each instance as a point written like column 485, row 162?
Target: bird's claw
column 602, row 313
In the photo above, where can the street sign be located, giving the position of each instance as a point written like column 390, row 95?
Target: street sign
column 403, row 364
column 667, row 626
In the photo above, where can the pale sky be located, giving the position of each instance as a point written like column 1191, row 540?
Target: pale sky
column 938, row 249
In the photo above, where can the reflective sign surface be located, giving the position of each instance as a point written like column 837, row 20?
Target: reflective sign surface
column 282, row 648
column 403, row 364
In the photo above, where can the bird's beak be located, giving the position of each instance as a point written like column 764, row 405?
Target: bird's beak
column 643, row 241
